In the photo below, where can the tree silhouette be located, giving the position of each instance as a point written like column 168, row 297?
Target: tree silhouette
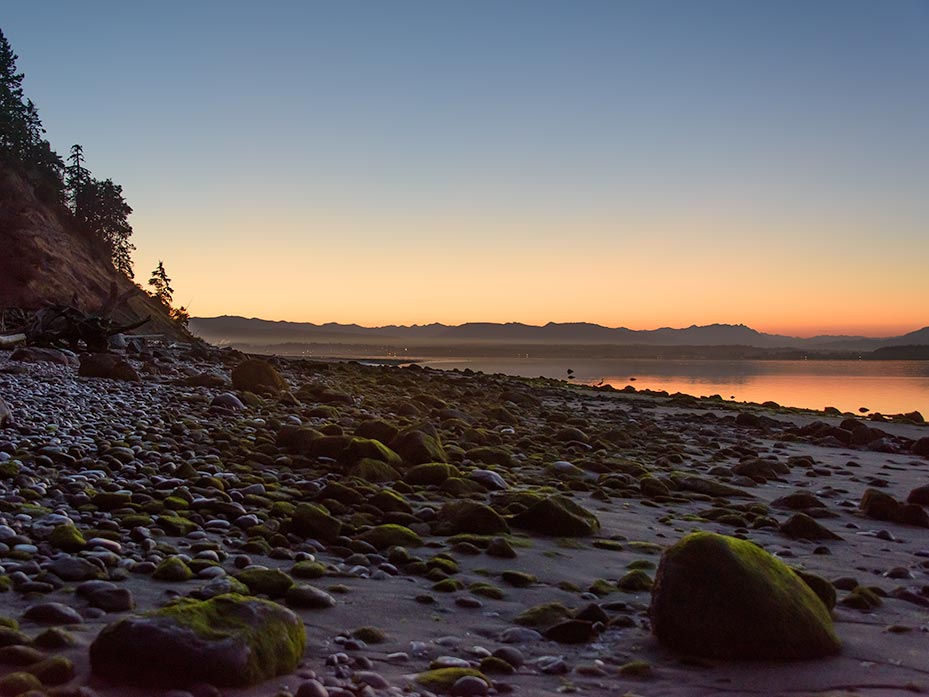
column 77, row 177
column 161, row 285
column 21, row 132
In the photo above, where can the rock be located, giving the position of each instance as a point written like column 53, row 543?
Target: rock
column 635, row 581
column 798, row 501
column 6, row 415
column 52, row 613
column 470, row 517
column 544, row 615
column 310, row 520
column 67, row 538
column 919, row 495
column 469, row 686
column 570, row 632
column 442, row 679
column 111, row 599
column 258, row 376
column 227, row 400
column 417, row 447
column 723, row 597
column 173, row 569
column 54, row 670
column 803, row 527
column 501, row 548
column 306, row 596
column 921, row 447
column 19, row 683
column 430, row 473
column 708, row 487
column 70, row 568
column 38, row 354
column 391, row 535
column 879, row 506
column 107, row 365
column 488, row 479
column 312, row 688
column 229, row 640
column 271, row 582
column 557, row 516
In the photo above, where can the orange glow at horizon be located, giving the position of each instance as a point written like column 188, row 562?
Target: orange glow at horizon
column 638, row 274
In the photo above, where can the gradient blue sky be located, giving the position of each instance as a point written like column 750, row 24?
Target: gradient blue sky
column 630, row 163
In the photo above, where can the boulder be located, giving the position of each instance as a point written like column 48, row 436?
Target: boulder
column 107, row 365
column 557, row 516
column 417, row 447
column 879, row 506
column 311, row 520
column 258, row 376
column 921, row 447
column 229, row 640
column 723, row 597
column 470, row 517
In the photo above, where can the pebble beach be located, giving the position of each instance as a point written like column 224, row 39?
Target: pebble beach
column 188, row 520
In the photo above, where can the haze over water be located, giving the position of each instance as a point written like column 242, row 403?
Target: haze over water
column 888, row 387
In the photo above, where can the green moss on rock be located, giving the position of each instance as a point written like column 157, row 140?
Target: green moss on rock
column 442, row 679
column 229, row 640
column 391, row 535
column 544, row 615
column 271, row 582
column 310, row 520
column 470, row 517
column 724, row 597
column 67, row 538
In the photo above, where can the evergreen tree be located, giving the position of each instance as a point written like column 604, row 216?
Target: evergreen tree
column 104, row 213
column 161, row 285
column 77, row 176
column 21, row 132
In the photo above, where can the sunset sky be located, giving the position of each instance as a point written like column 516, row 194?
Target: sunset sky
column 641, row 164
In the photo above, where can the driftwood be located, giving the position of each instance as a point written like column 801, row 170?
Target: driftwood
column 66, row 326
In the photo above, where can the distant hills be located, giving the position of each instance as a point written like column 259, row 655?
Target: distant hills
column 259, row 332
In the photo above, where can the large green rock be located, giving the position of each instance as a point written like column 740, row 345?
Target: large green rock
column 229, row 640
column 723, row 597
column 417, row 447
column 470, row 517
column 558, row 516
column 310, row 520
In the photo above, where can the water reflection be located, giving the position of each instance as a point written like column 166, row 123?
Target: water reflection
column 881, row 386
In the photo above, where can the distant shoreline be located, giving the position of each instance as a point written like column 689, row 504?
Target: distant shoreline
column 396, row 355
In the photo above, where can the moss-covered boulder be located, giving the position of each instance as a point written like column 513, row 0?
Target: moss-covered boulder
column 417, row 447
column 442, row 679
column 391, row 535
column 310, row 520
column 723, row 597
column 271, row 582
column 67, row 538
column 374, row 471
column 430, row 473
column 470, row 517
column 558, row 516
column 258, row 376
column 229, row 640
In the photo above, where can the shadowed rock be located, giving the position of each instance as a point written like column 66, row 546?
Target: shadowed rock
column 228, row 640
column 723, row 597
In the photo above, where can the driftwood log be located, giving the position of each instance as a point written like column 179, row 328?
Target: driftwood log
column 65, row 326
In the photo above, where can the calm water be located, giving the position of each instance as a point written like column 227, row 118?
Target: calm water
column 889, row 387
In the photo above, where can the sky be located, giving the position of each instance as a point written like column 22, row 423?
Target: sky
column 638, row 164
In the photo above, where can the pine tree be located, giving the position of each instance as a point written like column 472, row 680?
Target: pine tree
column 21, row 131
column 161, row 285
column 77, row 176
